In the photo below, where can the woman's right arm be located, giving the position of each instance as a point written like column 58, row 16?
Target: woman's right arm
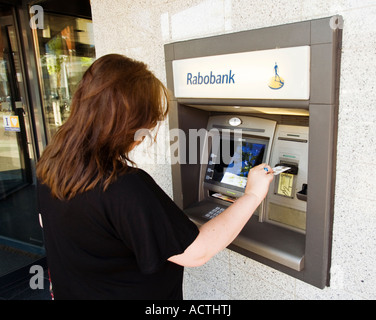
column 219, row 232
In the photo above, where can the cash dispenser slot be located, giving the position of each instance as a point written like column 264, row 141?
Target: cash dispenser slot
column 223, row 197
column 302, row 194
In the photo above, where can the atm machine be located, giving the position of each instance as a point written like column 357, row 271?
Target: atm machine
column 262, row 97
column 238, row 144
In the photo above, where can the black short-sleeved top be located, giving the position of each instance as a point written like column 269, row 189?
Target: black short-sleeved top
column 115, row 244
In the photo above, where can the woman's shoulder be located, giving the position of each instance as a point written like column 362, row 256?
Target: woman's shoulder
column 134, row 175
column 134, row 181
column 135, row 186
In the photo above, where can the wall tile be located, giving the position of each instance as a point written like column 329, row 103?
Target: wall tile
column 245, row 286
column 262, row 271
column 216, row 271
column 196, row 289
column 354, row 249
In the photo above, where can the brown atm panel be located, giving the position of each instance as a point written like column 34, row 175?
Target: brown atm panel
column 259, row 96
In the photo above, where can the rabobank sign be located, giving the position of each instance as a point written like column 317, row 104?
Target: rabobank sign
column 211, row 78
column 245, row 75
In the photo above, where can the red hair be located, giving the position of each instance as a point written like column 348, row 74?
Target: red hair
column 116, row 97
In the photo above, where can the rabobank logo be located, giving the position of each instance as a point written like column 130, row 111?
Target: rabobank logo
column 210, row 78
column 276, row 82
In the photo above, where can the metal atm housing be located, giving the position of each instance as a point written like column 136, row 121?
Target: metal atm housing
column 291, row 230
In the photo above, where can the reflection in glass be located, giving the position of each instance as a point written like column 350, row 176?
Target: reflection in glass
column 11, row 167
column 66, row 49
column 21, row 238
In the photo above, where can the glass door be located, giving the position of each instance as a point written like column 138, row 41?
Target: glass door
column 65, row 51
column 36, row 88
column 14, row 155
column 21, row 238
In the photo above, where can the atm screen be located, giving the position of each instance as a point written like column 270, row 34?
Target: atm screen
column 230, row 163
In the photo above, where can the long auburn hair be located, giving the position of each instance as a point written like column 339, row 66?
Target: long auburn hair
column 116, row 97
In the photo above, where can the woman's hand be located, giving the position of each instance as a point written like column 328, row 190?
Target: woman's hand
column 259, row 180
column 220, row 231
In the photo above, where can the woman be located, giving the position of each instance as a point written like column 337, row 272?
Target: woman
column 110, row 231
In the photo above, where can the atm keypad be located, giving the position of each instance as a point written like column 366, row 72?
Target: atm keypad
column 214, row 212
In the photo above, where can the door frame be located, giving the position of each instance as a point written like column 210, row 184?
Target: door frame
column 18, row 97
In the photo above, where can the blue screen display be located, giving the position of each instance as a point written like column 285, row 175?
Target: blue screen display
column 243, row 156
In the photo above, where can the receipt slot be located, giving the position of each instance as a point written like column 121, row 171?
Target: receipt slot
column 258, row 96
